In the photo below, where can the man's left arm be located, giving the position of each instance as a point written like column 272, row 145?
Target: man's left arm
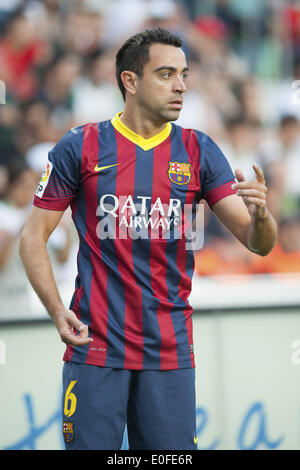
column 246, row 215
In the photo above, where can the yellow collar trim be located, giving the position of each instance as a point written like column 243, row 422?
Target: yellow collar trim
column 146, row 144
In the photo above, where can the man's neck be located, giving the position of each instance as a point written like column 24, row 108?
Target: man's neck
column 136, row 121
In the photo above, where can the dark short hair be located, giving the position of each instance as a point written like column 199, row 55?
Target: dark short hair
column 134, row 54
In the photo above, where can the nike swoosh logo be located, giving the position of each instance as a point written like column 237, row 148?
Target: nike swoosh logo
column 195, row 440
column 100, row 168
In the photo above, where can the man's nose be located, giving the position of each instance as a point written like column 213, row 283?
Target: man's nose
column 180, row 85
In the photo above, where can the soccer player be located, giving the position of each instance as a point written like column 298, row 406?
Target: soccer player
column 130, row 354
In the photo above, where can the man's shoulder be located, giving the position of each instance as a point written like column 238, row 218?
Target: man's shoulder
column 191, row 132
column 192, row 135
column 77, row 134
column 72, row 142
column 87, row 127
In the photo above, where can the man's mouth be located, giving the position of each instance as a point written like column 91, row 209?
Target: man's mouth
column 176, row 104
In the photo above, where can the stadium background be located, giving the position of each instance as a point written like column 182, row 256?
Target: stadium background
column 56, row 72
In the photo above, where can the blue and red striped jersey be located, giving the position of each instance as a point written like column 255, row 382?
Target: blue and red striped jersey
column 127, row 195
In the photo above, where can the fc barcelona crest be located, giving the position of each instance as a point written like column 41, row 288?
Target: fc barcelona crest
column 179, row 172
column 68, row 431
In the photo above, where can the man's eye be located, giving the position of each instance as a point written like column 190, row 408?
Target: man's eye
column 184, row 76
column 166, row 75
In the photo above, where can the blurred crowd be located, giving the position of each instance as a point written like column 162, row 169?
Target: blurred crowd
column 57, row 71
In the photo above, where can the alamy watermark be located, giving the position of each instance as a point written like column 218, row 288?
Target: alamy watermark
column 295, row 356
column 2, row 353
column 2, row 92
column 296, row 93
column 124, row 218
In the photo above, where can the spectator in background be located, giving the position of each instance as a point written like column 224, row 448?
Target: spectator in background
column 224, row 255
column 36, row 126
column 64, row 239
column 285, row 257
column 241, row 144
column 46, row 16
column 280, row 156
column 198, row 108
column 122, row 18
column 3, row 180
column 13, row 212
column 37, row 157
column 286, row 95
column 166, row 14
column 210, row 37
column 56, row 90
column 95, row 95
column 14, row 209
column 21, row 51
column 10, row 118
column 291, row 24
column 222, row 70
column 249, row 98
column 83, row 29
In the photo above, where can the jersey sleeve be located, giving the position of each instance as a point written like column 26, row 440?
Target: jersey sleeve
column 216, row 175
column 60, row 180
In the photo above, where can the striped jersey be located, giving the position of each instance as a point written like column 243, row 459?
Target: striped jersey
column 128, row 197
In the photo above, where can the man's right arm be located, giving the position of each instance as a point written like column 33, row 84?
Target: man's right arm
column 33, row 251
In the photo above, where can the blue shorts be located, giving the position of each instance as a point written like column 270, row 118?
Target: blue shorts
column 159, row 408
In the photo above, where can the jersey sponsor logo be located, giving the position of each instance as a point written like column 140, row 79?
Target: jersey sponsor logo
column 135, row 218
column 68, row 431
column 195, row 440
column 100, row 168
column 110, row 203
column 123, row 217
column 44, row 180
column 179, row 172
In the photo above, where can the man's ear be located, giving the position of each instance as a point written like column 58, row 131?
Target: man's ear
column 129, row 80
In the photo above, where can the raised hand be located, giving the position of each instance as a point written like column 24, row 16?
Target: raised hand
column 254, row 193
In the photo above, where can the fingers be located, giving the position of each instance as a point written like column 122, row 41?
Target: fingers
column 249, row 185
column 254, row 193
column 67, row 330
column 259, row 174
column 257, row 201
column 248, row 192
column 259, row 182
column 83, row 337
column 69, row 337
column 74, row 321
column 239, row 175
